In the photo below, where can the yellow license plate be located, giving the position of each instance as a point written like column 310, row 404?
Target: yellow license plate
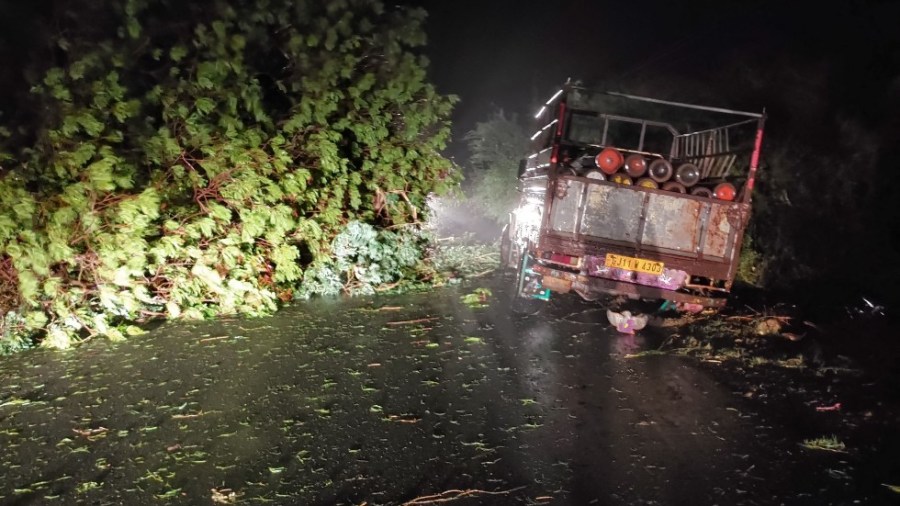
column 634, row 264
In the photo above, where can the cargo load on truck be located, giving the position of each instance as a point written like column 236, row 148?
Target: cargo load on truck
column 634, row 196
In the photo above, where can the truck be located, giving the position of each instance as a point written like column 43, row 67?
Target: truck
column 633, row 196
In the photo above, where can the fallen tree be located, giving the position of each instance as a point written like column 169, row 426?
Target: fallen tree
column 191, row 160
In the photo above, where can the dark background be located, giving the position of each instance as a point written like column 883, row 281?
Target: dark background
column 827, row 217
column 827, row 73
column 509, row 54
column 514, row 54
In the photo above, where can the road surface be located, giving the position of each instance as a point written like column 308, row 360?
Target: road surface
column 418, row 399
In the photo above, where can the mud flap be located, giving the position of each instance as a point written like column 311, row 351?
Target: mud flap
column 529, row 284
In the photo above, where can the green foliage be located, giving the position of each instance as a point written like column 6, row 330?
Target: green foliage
column 478, row 298
column 363, row 260
column 828, row 443
column 455, row 260
column 496, row 145
column 12, row 339
column 751, row 266
column 825, row 202
column 197, row 160
column 804, row 237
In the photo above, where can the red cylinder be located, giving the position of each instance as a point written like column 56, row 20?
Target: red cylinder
column 635, row 165
column 702, row 191
column 660, row 170
column 609, row 160
column 724, row 191
column 674, row 186
column 687, row 174
column 646, row 182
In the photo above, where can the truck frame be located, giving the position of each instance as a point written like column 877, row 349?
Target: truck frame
column 576, row 230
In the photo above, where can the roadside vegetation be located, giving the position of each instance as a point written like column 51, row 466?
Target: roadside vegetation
column 495, row 145
column 187, row 161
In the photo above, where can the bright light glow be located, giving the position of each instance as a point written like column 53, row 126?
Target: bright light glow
column 528, row 216
column 554, row 97
column 532, row 156
column 535, row 136
column 541, row 112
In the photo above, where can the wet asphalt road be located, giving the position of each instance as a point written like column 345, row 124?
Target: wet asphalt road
column 417, row 399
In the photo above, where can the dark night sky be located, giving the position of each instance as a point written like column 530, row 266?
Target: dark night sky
column 514, row 53
column 511, row 54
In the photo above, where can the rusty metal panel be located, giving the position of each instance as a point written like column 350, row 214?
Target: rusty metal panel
column 672, row 223
column 564, row 214
column 612, row 212
column 718, row 242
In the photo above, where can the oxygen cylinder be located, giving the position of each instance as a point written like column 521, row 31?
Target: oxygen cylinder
column 724, row 191
column 687, row 174
column 595, row 174
column 635, row 165
column 674, row 186
column 702, row 191
column 621, row 178
column 646, row 182
column 609, row 160
column 660, row 170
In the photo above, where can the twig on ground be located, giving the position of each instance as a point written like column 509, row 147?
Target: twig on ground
column 403, row 419
column 411, row 322
column 481, row 273
column 387, row 287
column 183, row 417
column 217, row 338
column 454, row 494
column 90, row 432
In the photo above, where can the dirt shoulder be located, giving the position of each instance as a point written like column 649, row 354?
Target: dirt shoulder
column 834, row 386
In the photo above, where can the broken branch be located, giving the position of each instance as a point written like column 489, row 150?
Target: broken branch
column 410, row 322
column 454, row 494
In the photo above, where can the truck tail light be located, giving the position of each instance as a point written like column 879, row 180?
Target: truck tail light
column 559, row 258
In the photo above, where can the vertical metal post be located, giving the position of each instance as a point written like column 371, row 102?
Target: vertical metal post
column 643, row 133
column 754, row 158
column 550, row 196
